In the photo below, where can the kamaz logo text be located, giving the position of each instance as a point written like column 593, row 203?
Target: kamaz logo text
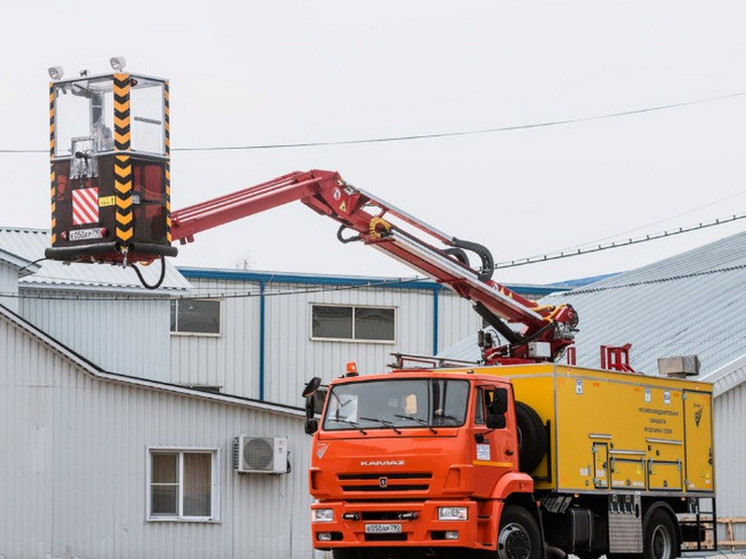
column 382, row 463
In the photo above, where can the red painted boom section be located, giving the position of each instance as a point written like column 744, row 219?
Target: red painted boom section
column 395, row 232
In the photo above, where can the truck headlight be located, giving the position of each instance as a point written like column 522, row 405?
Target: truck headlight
column 322, row 515
column 453, row 513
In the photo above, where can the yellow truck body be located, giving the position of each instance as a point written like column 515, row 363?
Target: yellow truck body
column 610, row 431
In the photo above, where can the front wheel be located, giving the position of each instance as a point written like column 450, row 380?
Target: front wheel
column 519, row 536
column 660, row 537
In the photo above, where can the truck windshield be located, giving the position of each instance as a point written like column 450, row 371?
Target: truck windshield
column 397, row 404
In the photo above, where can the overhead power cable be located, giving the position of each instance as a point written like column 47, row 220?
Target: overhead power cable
column 435, row 135
column 620, row 234
column 616, row 244
column 175, row 296
column 583, row 291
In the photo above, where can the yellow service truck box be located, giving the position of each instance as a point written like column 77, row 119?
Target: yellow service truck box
column 611, row 430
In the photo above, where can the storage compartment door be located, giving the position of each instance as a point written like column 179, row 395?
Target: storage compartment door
column 665, row 464
column 698, row 441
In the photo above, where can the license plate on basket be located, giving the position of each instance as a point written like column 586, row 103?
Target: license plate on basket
column 383, row 528
column 86, row 234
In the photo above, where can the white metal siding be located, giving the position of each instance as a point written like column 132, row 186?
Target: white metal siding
column 230, row 360
column 730, row 457
column 73, row 473
column 457, row 320
column 122, row 336
column 9, row 286
column 291, row 358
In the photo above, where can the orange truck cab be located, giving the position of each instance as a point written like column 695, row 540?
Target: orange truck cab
column 415, row 460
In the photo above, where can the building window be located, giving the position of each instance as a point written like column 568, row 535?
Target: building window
column 195, row 316
column 183, row 485
column 367, row 324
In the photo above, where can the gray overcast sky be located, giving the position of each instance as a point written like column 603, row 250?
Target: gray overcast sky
column 259, row 72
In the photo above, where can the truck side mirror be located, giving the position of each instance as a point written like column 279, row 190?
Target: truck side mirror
column 499, row 401
column 315, row 403
column 311, row 387
column 311, row 426
column 496, row 421
column 315, row 396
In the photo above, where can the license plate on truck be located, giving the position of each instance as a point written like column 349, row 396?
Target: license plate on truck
column 383, row 528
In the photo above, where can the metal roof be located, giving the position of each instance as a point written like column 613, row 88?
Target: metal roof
column 29, row 245
column 15, row 260
column 309, row 279
column 413, row 282
column 728, row 376
column 692, row 303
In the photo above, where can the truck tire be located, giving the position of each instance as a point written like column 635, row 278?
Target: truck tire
column 660, row 537
column 532, row 437
column 519, row 536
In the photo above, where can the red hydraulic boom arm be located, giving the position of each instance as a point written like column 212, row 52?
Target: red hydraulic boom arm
column 544, row 332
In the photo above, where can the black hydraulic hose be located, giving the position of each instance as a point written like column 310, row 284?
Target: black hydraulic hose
column 459, row 254
column 343, row 239
column 495, row 321
column 488, row 263
column 160, row 280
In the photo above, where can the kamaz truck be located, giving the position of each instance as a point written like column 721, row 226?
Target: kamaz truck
column 522, row 455
column 511, row 462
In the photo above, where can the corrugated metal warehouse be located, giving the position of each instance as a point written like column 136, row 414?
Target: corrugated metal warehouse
column 104, row 465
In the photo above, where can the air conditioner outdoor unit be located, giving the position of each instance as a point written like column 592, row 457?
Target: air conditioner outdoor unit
column 260, row 455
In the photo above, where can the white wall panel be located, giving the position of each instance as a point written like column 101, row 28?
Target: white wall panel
column 76, row 476
column 230, row 360
column 730, row 457
column 456, row 320
column 127, row 336
column 233, row 359
column 293, row 358
column 9, row 286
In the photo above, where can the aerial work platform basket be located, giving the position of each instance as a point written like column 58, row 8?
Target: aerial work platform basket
column 110, row 169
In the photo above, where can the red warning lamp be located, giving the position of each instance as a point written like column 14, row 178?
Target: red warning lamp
column 351, row 369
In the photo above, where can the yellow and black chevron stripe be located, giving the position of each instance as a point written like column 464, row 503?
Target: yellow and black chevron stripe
column 123, row 161
column 51, row 165
column 51, row 120
column 122, row 112
column 167, row 132
column 53, row 189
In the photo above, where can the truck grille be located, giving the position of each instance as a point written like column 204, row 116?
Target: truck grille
column 385, row 482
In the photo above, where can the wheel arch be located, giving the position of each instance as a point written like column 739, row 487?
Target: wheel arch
column 513, row 483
